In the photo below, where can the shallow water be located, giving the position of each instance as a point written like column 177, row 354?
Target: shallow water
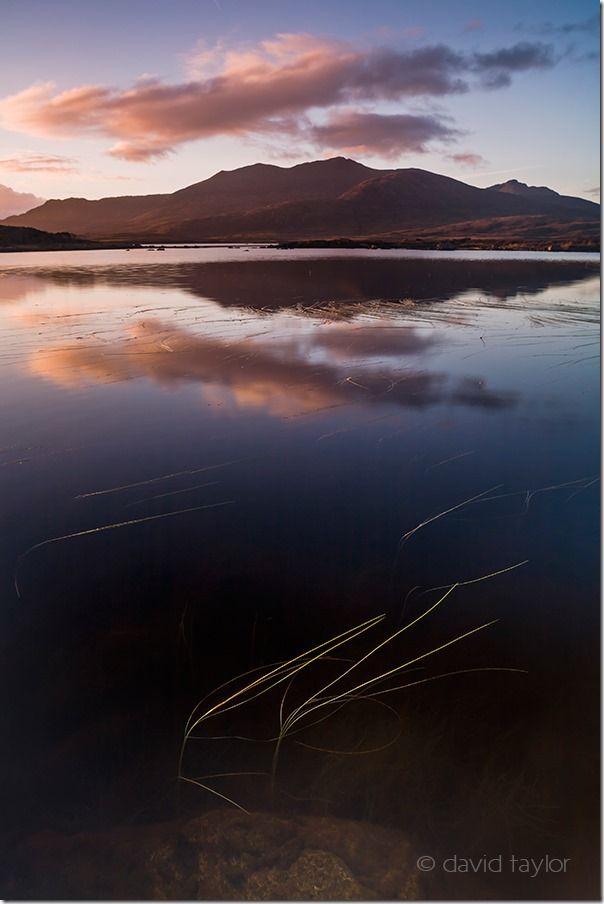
column 309, row 409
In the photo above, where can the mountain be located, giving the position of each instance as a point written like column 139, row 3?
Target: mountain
column 547, row 199
column 326, row 199
column 15, row 202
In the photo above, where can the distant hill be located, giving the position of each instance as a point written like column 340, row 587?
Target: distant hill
column 546, row 198
column 326, row 199
column 15, row 202
column 21, row 238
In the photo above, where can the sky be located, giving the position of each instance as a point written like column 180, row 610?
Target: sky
column 131, row 97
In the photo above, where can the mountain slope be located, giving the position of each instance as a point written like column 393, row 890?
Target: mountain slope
column 322, row 199
column 90, row 218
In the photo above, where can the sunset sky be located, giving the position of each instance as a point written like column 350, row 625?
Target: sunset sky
column 132, row 97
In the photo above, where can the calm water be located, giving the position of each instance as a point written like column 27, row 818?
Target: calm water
column 309, row 409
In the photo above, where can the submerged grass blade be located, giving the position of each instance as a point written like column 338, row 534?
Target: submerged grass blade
column 401, row 687
column 275, row 669
column 337, row 692
column 379, row 678
column 104, row 527
column 484, row 577
column 367, row 751
column 273, row 678
column 292, row 717
column 280, row 675
column 453, row 508
column 142, row 483
column 197, row 486
column 229, row 800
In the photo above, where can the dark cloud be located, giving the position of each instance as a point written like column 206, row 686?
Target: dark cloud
column 589, row 56
column 428, row 71
column 494, row 81
column 497, row 67
column 518, row 58
column 385, row 135
column 590, row 25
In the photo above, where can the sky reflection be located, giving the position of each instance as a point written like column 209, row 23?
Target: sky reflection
column 300, row 335
column 277, row 433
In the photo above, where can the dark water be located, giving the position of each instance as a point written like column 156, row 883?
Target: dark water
column 309, row 410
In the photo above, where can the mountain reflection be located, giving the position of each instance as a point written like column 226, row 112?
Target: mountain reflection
column 281, row 283
column 282, row 377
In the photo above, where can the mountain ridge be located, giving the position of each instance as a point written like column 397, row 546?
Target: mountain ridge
column 323, row 199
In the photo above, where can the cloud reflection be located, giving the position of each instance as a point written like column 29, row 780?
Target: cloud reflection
column 281, row 378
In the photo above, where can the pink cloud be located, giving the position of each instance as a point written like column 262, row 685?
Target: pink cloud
column 39, row 163
column 36, row 111
column 468, row 159
column 248, row 91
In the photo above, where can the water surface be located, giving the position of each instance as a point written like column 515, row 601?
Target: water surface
column 308, row 409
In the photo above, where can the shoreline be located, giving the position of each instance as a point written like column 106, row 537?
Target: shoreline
column 444, row 245
column 75, row 246
column 344, row 244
